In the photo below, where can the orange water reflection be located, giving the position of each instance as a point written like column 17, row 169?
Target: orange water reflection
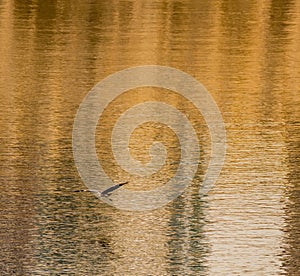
column 247, row 54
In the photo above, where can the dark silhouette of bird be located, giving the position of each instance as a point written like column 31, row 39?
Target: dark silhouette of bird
column 106, row 192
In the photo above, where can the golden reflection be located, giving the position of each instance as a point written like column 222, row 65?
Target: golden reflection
column 145, row 134
column 246, row 53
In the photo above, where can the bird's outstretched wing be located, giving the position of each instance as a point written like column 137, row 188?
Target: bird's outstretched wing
column 112, row 188
column 105, row 192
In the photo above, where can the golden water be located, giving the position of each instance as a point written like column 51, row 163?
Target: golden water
column 247, row 55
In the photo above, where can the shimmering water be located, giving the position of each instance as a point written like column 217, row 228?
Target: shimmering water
column 246, row 53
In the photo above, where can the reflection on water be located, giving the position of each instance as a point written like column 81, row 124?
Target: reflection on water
column 246, row 53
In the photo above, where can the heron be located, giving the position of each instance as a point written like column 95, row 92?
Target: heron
column 107, row 192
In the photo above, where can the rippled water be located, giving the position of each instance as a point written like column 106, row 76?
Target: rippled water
column 247, row 55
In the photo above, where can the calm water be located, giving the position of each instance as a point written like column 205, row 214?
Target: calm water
column 246, row 53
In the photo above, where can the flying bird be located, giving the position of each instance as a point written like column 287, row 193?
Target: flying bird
column 106, row 192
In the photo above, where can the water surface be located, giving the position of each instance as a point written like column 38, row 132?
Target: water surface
column 246, row 53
